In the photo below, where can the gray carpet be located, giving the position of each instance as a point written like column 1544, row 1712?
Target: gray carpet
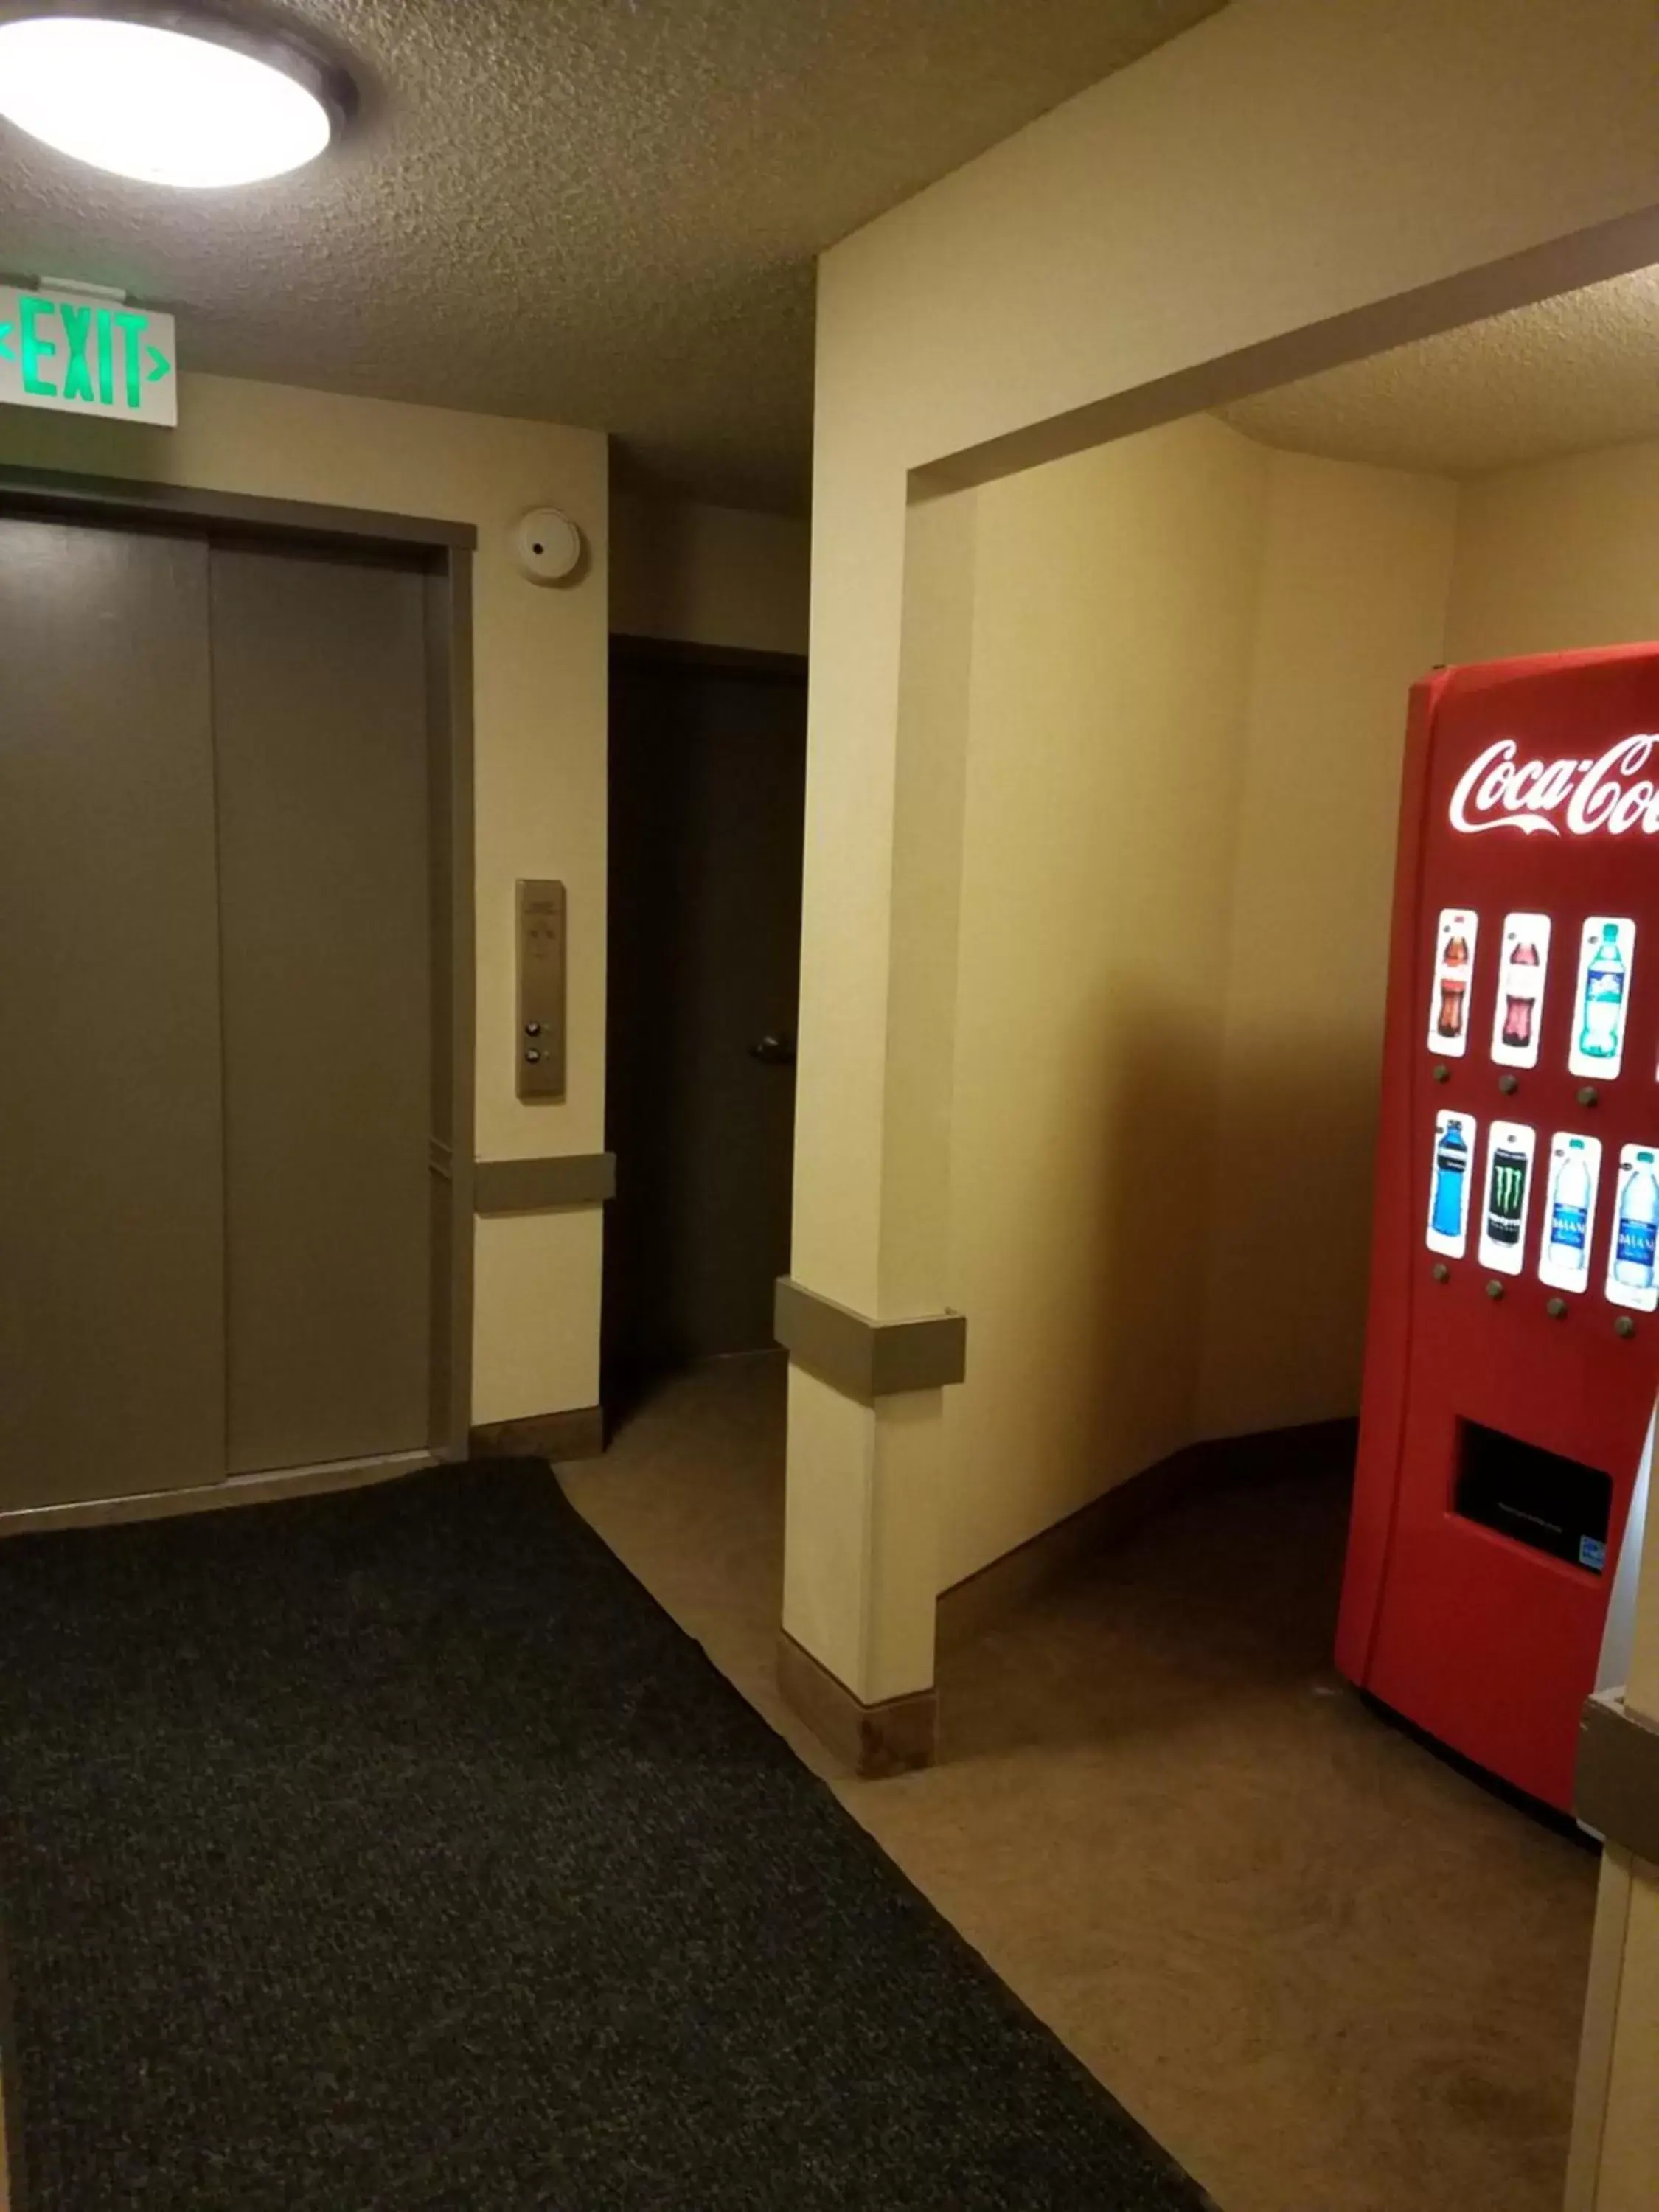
column 394, row 1852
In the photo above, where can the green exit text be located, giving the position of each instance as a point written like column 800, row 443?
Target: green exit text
column 99, row 355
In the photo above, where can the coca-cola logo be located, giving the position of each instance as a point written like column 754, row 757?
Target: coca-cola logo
column 1500, row 792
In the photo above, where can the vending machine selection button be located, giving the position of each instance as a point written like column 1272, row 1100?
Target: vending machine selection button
column 1625, row 1325
column 1509, row 1085
column 1556, row 1308
column 1494, row 1289
column 1441, row 1271
column 1441, row 1072
column 1588, row 1095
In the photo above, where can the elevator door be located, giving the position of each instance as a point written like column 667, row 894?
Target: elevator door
column 112, row 1215
column 216, row 984
column 319, row 719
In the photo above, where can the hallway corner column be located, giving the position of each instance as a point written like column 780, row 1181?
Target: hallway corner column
column 865, row 1312
column 1613, row 2164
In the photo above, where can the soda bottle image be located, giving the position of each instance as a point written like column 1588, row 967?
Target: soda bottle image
column 1604, row 998
column 1505, row 1197
column 1570, row 1210
column 1451, row 1168
column 1454, row 988
column 1637, row 1231
column 1520, row 1004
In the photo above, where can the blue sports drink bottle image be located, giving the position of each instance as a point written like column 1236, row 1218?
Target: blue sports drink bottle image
column 1451, row 1180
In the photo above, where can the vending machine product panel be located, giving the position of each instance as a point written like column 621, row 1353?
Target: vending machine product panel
column 1512, row 1350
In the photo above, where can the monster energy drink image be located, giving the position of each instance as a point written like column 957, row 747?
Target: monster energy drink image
column 1509, row 1156
column 1506, row 1195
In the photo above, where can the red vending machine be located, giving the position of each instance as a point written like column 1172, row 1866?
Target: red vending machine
column 1513, row 1345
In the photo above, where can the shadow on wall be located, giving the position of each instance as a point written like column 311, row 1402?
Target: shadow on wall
column 1287, row 1270
column 1193, row 1266
column 1155, row 1083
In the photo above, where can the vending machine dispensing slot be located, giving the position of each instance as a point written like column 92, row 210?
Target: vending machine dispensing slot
column 1512, row 1351
column 1535, row 1497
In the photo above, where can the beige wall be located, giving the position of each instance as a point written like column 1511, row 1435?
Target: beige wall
column 1283, row 162
column 1189, row 660
column 1110, row 663
column 1176, row 862
column 1284, row 166
column 539, row 693
column 1352, row 610
column 1558, row 553
column 709, row 575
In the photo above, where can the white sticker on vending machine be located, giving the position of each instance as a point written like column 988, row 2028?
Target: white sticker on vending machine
column 1605, row 953
column 1449, row 1185
column 1523, row 961
column 1510, row 1152
column 1563, row 1248
column 1633, row 1258
column 1453, row 982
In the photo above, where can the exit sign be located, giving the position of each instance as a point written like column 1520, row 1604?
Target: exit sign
column 77, row 355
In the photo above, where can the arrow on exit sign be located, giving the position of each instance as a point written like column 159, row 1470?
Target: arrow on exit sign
column 80, row 356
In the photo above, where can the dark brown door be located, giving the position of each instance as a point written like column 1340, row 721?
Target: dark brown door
column 708, row 792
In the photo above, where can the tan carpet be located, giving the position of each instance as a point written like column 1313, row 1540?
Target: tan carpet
column 1328, row 1971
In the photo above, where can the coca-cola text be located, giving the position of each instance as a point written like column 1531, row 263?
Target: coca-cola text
column 1497, row 792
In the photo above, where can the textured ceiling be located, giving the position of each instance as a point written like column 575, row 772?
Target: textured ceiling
column 594, row 211
column 1574, row 373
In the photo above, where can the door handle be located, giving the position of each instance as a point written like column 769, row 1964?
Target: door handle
column 774, row 1051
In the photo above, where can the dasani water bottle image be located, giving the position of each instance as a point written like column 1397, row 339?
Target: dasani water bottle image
column 1570, row 1207
column 1633, row 1262
column 1638, row 1225
column 1570, row 1216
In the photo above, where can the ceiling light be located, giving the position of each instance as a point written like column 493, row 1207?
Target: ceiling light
column 171, row 98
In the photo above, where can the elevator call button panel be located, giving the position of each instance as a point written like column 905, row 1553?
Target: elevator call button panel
column 539, row 1043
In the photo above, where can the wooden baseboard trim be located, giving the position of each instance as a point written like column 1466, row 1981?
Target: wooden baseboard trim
column 969, row 1607
column 894, row 1737
column 577, row 1433
column 213, row 1498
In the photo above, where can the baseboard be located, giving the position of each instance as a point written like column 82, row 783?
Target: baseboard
column 894, row 1737
column 213, row 1498
column 977, row 1603
column 577, row 1433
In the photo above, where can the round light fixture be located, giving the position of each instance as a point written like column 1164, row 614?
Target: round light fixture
column 170, row 98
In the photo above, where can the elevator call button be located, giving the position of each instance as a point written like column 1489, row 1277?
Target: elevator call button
column 541, row 965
